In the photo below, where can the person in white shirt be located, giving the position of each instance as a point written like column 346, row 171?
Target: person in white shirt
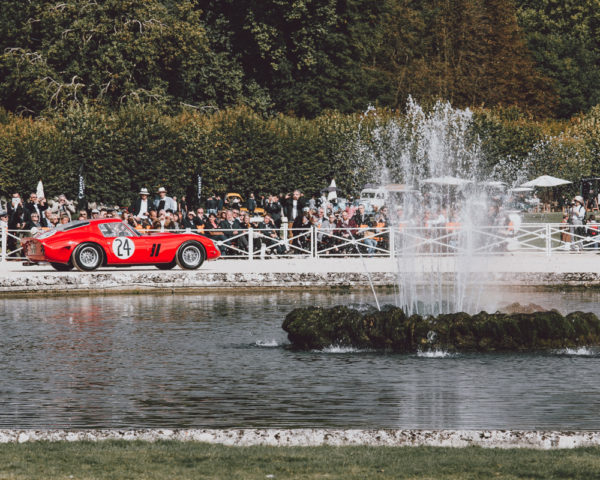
column 142, row 205
column 163, row 202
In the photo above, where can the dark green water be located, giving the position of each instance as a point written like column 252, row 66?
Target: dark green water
column 221, row 361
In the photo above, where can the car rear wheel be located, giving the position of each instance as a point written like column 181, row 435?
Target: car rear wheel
column 190, row 255
column 87, row 257
column 61, row 267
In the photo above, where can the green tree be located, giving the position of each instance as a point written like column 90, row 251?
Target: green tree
column 112, row 52
column 565, row 40
column 470, row 52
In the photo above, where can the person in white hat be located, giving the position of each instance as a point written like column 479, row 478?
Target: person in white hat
column 576, row 217
column 163, row 202
column 142, row 205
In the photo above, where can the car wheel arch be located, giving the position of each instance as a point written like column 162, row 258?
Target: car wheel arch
column 189, row 262
column 97, row 246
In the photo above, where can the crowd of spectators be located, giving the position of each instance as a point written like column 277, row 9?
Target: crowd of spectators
column 281, row 222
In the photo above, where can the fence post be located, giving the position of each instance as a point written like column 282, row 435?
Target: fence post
column 313, row 242
column 4, row 240
column 548, row 240
column 392, row 242
column 250, row 243
column 284, row 226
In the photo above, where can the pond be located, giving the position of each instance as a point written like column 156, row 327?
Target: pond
column 221, row 360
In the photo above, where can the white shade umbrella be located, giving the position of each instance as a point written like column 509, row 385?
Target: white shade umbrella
column 40, row 190
column 332, row 195
column 447, row 180
column 546, row 181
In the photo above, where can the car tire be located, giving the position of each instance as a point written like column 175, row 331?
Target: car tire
column 166, row 266
column 190, row 255
column 61, row 267
column 87, row 257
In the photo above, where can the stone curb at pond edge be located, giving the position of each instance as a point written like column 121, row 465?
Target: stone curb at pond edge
column 305, row 437
column 149, row 280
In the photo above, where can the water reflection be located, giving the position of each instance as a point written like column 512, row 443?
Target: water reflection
column 221, row 361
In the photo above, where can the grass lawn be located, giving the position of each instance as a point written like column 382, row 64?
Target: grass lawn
column 183, row 460
column 554, row 217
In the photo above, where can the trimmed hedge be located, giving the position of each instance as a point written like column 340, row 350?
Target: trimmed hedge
column 239, row 150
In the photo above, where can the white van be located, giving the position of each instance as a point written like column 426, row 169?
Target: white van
column 378, row 197
column 370, row 197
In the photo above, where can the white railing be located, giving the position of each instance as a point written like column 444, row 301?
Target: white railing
column 452, row 239
column 10, row 246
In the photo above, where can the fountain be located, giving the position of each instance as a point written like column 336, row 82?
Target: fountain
column 443, row 236
column 436, row 152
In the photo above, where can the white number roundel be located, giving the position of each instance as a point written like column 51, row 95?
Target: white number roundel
column 123, row 247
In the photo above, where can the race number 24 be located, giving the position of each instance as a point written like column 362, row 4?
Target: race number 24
column 123, row 247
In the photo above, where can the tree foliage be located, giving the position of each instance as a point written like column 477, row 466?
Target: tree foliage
column 302, row 57
column 565, row 40
column 111, row 52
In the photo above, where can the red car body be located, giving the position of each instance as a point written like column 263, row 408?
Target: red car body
column 78, row 244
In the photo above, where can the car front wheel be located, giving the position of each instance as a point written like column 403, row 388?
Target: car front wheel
column 190, row 255
column 87, row 257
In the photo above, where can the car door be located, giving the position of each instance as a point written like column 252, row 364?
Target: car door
column 124, row 245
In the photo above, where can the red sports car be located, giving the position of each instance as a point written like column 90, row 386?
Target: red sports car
column 89, row 244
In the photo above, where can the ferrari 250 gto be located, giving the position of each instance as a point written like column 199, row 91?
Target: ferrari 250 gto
column 89, row 244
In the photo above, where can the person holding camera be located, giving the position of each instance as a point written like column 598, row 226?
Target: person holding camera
column 34, row 205
column 273, row 208
column 63, row 207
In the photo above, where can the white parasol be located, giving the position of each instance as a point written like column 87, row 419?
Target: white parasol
column 546, row 181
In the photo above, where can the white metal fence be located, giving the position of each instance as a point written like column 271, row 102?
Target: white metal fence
column 451, row 239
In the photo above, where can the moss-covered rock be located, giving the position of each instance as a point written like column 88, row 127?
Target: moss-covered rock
column 391, row 329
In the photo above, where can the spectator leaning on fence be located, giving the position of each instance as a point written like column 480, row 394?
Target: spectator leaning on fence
column 34, row 222
column 270, row 235
column 231, row 229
